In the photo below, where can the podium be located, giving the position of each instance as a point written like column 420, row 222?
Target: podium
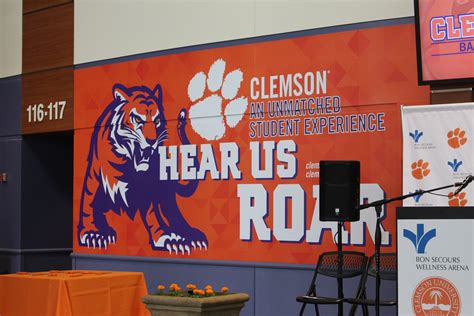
column 435, row 253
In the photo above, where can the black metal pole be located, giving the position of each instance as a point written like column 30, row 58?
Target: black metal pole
column 378, row 242
column 340, row 262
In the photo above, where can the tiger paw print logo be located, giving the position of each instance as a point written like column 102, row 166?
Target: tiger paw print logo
column 221, row 108
column 457, row 200
column 436, row 296
column 457, row 138
column 419, row 169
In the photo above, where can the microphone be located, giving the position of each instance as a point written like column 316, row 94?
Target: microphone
column 464, row 184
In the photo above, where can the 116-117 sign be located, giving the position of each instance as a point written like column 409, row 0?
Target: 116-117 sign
column 39, row 113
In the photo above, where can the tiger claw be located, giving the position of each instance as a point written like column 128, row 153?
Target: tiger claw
column 84, row 240
column 178, row 244
column 96, row 239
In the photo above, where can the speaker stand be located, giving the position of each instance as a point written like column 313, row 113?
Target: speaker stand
column 340, row 262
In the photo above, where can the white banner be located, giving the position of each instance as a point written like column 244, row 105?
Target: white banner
column 438, row 144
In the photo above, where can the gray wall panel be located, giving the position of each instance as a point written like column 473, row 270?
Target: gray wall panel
column 276, row 291
column 272, row 291
column 10, row 106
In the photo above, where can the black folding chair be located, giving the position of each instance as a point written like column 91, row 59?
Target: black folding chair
column 388, row 271
column 353, row 264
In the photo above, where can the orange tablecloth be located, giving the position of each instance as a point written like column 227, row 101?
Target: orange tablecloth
column 65, row 293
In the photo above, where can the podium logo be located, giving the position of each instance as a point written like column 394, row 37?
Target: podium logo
column 419, row 169
column 416, row 135
column 456, row 138
column 436, row 296
column 420, row 239
column 455, row 164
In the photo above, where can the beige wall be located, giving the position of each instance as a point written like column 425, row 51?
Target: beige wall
column 277, row 16
column 114, row 28
column 10, row 37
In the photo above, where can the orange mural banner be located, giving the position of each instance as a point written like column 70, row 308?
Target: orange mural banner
column 214, row 154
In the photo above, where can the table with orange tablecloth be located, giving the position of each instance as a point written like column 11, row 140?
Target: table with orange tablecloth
column 65, row 293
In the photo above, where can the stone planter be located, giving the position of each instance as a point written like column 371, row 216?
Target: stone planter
column 223, row 305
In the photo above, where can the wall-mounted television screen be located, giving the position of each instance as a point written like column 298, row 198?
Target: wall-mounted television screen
column 445, row 41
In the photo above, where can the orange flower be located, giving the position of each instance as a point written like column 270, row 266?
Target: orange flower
column 199, row 292
column 177, row 289
column 161, row 287
column 224, row 289
column 209, row 292
column 191, row 287
column 173, row 286
column 208, row 287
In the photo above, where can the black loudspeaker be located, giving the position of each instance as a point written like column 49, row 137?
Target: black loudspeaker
column 339, row 190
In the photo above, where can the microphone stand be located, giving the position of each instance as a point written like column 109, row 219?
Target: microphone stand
column 378, row 234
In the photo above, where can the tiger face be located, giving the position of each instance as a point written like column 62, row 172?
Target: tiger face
column 138, row 124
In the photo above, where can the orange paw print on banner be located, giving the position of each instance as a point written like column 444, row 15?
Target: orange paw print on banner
column 419, row 169
column 456, row 138
column 457, row 200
